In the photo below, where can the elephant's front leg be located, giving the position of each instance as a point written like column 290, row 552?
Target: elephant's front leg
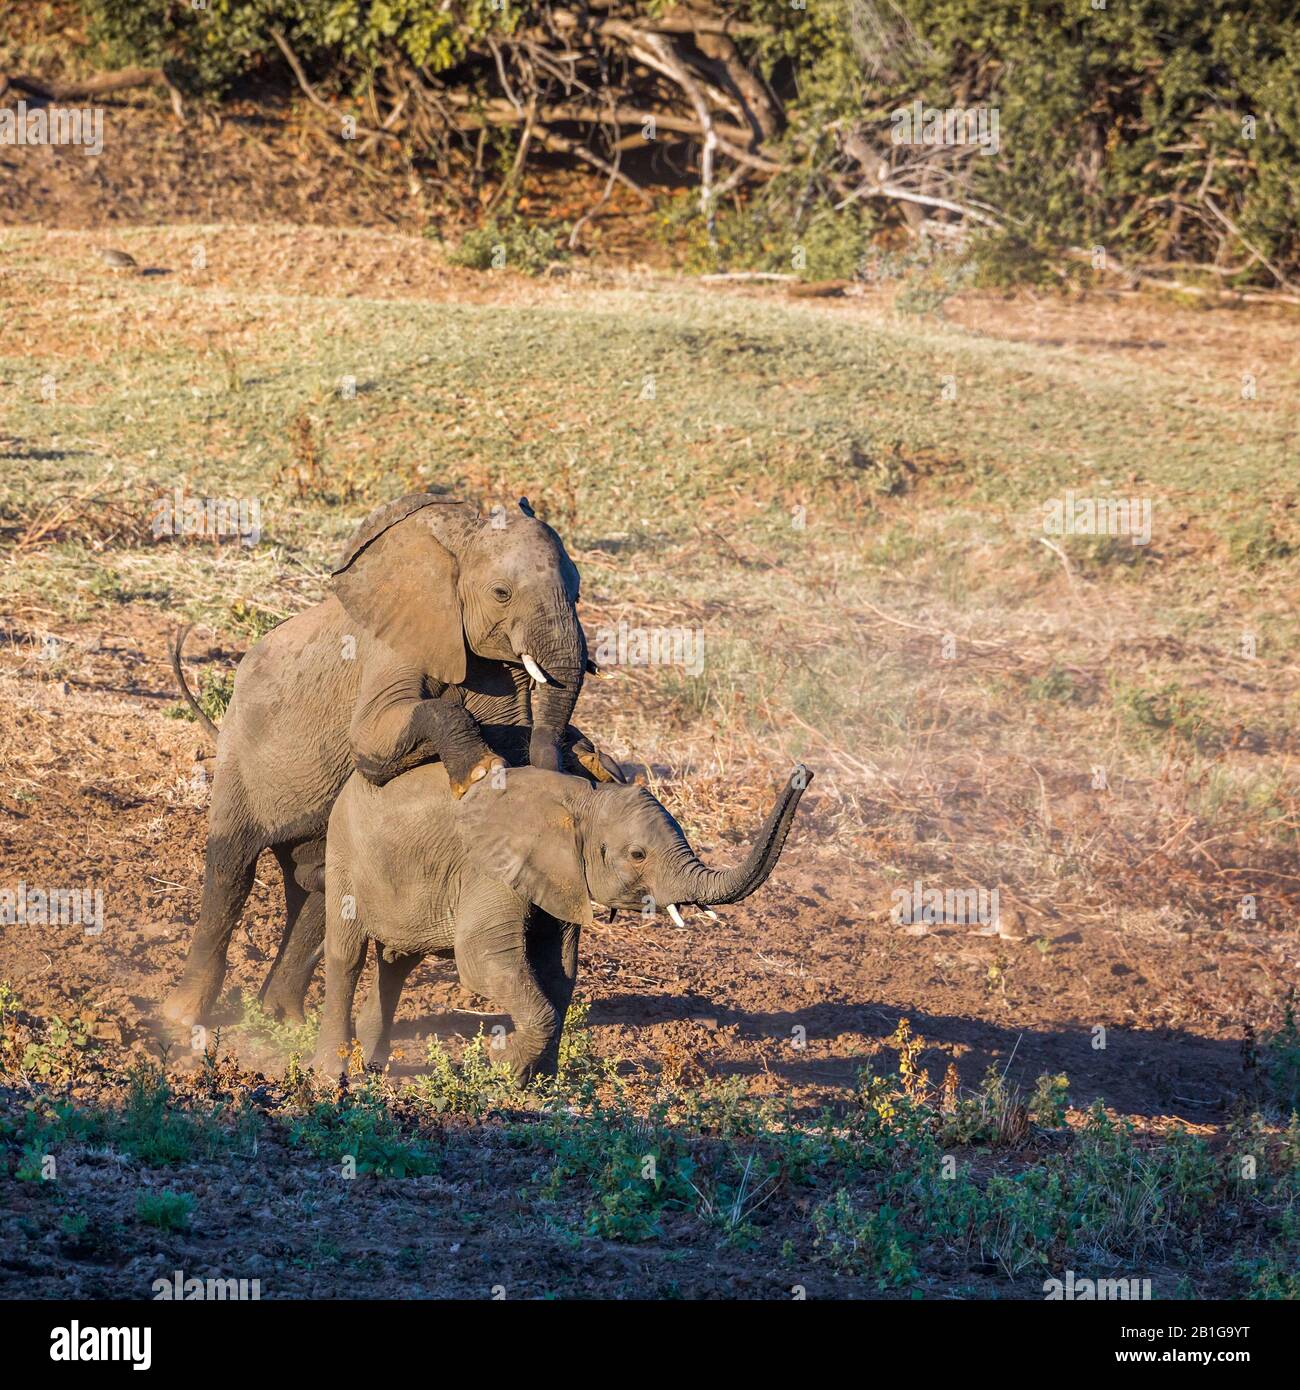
column 395, row 729
column 553, row 954
column 492, row 957
column 345, row 955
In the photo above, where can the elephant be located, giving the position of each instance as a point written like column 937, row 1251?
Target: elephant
column 501, row 882
column 440, row 620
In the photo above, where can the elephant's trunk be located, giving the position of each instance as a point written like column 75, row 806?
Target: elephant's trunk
column 691, row 881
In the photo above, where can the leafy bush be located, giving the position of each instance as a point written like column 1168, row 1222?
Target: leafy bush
column 510, row 243
column 1145, row 128
column 1280, row 1060
column 874, row 1242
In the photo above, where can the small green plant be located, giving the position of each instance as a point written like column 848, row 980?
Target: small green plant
column 264, row 1030
column 1166, row 709
column 480, row 1084
column 250, row 620
column 59, row 1056
column 1050, row 1101
column 510, row 243
column 149, row 1127
column 168, row 1211
column 728, row 1201
column 1279, row 1058
column 1056, row 685
column 31, row 1163
column 358, row 1130
column 873, row 1243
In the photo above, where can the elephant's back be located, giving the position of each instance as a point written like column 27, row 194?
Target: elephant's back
column 286, row 728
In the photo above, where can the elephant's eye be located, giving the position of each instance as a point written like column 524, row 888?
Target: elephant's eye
column 501, row 593
column 636, row 855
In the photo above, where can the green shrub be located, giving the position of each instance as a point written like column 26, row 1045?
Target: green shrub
column 873, row 1243
column 510, row 243
column 1279, row 1055
column 1108, row 117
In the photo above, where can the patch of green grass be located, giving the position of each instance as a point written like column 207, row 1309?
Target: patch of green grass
column 1055, row 685
column 1253, row 543
column 358, row 1132
column 1168, row 708
column 168, row 1211
column 150, row 1127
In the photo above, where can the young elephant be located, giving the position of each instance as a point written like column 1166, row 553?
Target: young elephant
column 501, row 882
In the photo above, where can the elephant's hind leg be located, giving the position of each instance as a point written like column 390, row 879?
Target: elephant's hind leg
column 229, row 865
column 301, row 944
column 375, row 1021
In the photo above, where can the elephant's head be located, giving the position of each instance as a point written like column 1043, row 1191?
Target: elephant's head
column 561, row 843
column 433, row 580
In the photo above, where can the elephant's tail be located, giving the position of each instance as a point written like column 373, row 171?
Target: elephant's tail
column 199, row 713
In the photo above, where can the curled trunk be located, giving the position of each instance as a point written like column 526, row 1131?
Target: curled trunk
column 694, row 882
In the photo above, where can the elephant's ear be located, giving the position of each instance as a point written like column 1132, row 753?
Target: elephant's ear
column 397, row 581
column 518, row 826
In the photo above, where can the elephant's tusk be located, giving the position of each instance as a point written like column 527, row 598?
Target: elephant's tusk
column 594, row 670
column 709, row 912
column 675, row 915
column 533, row 669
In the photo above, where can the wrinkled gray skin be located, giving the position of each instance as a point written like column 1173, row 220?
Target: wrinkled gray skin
column 501, row 882
column 420, row 643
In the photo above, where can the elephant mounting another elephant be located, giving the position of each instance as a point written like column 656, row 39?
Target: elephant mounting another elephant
column 442, row 626
column 357, row 747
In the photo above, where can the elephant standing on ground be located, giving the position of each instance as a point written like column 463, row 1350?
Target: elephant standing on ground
column 501, row 882
column 440, row 620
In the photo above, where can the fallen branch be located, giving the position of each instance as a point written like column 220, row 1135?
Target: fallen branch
column 99, row 86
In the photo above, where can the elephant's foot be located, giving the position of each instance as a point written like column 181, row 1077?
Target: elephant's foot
column 283, row 1000
column 330, row 1058
column 374, row 1048
column 191, row 1002
column 527, row 1067
column 476, row 773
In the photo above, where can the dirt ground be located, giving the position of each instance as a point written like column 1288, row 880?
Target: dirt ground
column 112, row 784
